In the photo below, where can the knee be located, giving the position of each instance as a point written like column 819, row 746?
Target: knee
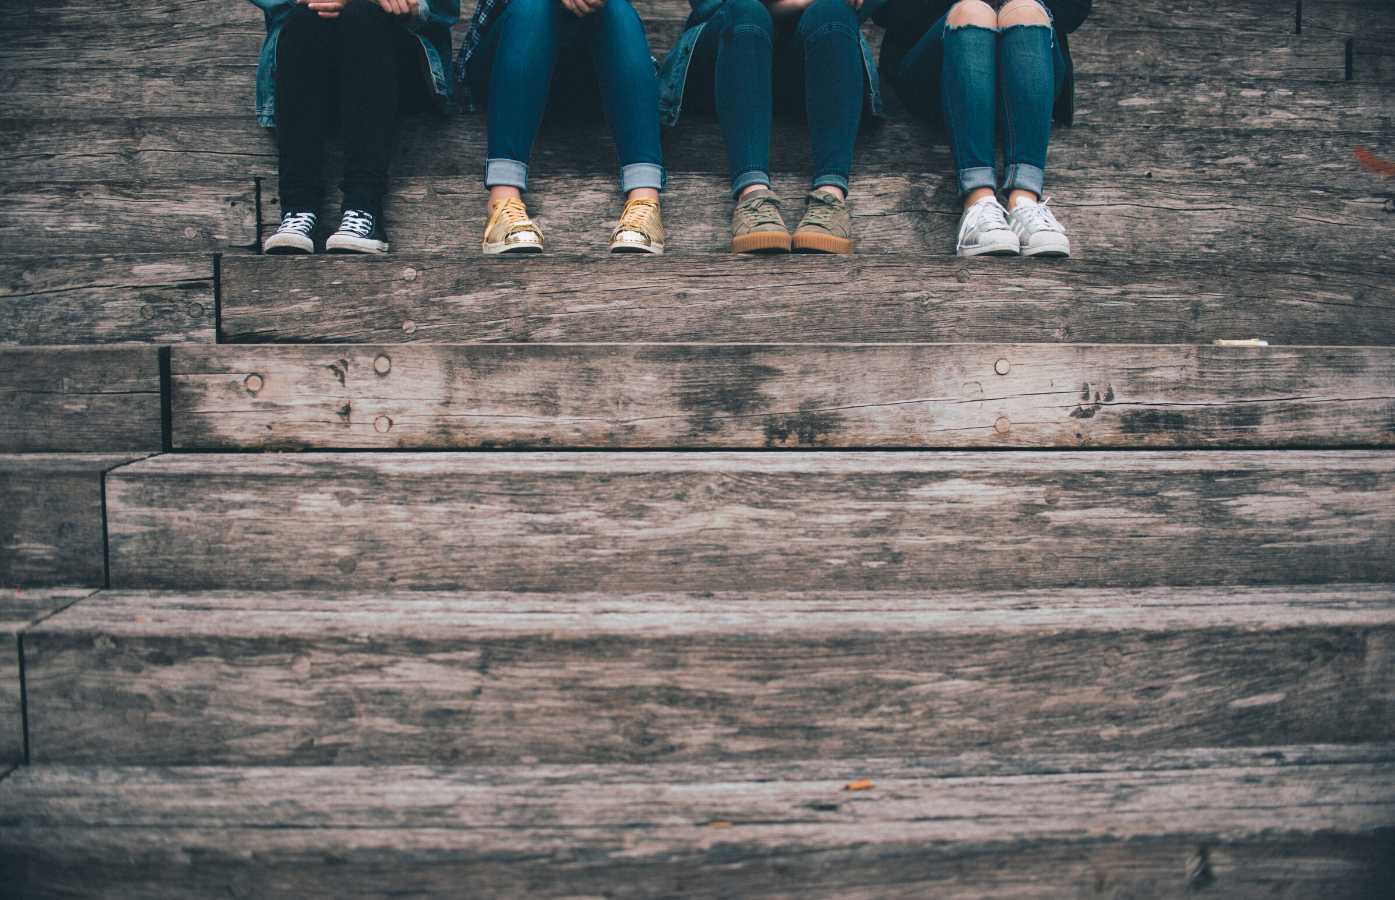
column 822, row 13
column 972, row 12
column 748, row 14
column 616, row 13
column 1023, row 12
column 534, row 11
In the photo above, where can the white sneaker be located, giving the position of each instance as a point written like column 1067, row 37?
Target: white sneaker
column 985, row 230
column 1037, row 229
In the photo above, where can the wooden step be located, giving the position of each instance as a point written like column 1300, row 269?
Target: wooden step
column 1125, row 216
column 81, row 399
column 805, row 298
column 1310, row 822
column 134, row 678
column 156, row 298
column 751, row 520
column 19, row 610
column 542, row 396
column 53, row 529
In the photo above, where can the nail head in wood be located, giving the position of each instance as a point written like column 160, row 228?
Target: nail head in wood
column 1002, row 426
column 254, row 383
column 1002, row 367
column 409, row 326
column 190, row 233
column 382, row 365
column 382, row 424
column 409, row 274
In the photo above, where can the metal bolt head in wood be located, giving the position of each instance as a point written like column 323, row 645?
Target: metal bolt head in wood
column 382, row 365
column 409, row 274
column 409, row 326
column 1002, row 367
column 254, row 383
column 1002, row 426
column 382, row 424
column 190, row 233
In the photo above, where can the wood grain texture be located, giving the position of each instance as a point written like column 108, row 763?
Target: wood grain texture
column 291, row 679
column 19, row 610
column 1129, row 215
column 1312, row 829
column 540, row 396
column 157, row 298
column 751, row 520
column 801, row 299
column 80, row 399
column 110, row 218
column 52, row 530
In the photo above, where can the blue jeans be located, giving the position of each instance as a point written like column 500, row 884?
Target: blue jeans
column 980, row 82
column 816, row 63
column 513, row 68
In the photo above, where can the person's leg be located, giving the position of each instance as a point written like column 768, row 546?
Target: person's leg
column 629, row 93
column 366, row 49
column 304, row 89
column 530, row 34
column 825, row 57
column 733, row 55
column 1028, row 76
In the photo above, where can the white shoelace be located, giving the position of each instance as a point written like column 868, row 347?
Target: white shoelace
column 358, row 222
column 985, row 215
column 1037, row 216
column 301, row 223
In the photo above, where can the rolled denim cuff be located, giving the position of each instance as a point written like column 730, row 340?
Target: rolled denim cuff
column 642, row 175
column 980, row 177
column 743, row 180
column 831, row 179
column 506, row 173
column 1023, row 177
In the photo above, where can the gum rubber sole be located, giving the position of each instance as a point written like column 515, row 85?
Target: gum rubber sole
column 818, row 242
column 771, row 241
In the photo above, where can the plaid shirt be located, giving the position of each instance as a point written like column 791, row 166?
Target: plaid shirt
column 484, row 17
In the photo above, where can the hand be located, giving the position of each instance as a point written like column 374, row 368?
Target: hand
column 581, row 8
column 400, row 7
column 328, row 9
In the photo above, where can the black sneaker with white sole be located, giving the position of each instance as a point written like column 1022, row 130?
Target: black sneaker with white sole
column 359, row 232
column 296, row 234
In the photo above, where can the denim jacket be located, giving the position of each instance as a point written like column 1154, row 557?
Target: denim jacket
column 432, row 28
column 674, row 72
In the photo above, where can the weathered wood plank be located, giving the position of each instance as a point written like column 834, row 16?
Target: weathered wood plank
column 291, row 679
column 52, row 532
column 18, row 611
column 156, row 217
column 710, row 395
column 80, row 399
column 751, row 521
column 156, row 298
column 802, row 298
column 1245, row 830
column 1129, row 214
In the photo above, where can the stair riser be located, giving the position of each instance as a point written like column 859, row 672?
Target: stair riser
column 762, row 396
column 296, row 699
column 780, row 521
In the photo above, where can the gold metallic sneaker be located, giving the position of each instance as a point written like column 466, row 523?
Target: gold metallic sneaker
column 756, row 225
column 510, row 230
column 826, row 226
column 641, row 228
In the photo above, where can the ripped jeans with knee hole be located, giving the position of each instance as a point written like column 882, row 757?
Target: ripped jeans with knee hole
column 987, row 84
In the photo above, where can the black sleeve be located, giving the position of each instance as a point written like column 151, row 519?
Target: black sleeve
column 1068, row 15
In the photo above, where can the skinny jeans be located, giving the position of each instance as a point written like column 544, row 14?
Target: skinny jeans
column 369, row 59
column 983, row 83
column 513, row 69
column 744, row 64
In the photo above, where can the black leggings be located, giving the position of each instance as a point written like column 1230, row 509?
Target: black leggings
column 367, row 56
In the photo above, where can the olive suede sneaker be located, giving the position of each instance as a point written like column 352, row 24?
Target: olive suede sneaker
column 296, row 234
column 641, row 228
column 756, row 225
column 359, row 232
column 984, row 231
column 1037, row 229
column 509, row 230
column 826, row 226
